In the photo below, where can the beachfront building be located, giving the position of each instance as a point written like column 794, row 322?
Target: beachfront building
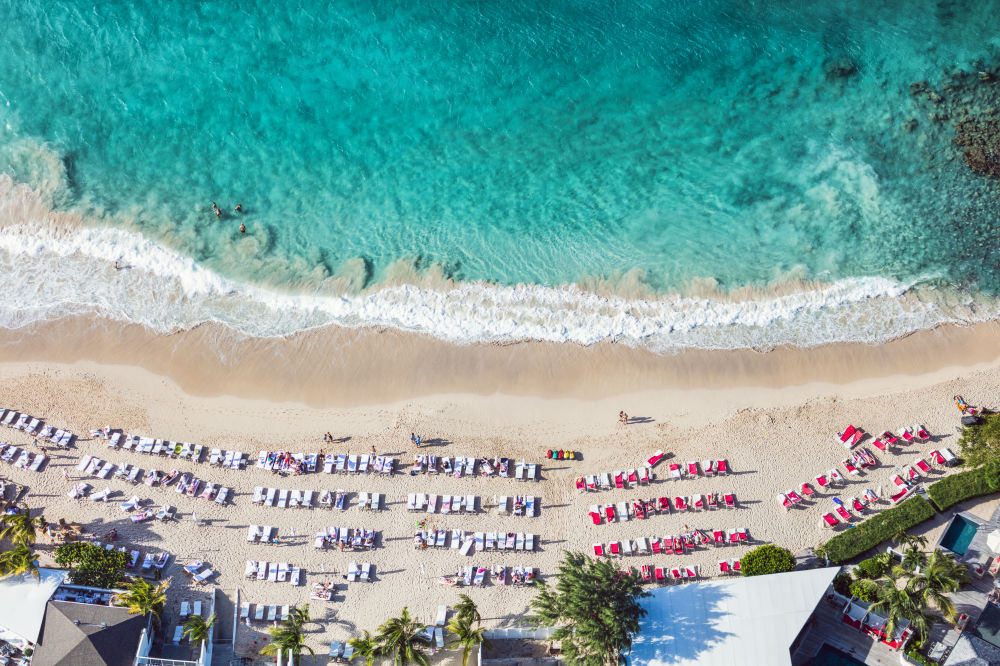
column 57, row 623
column 754, row 620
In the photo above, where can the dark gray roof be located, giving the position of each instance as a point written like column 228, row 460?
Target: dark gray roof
column 87, row 635
column 973, row 651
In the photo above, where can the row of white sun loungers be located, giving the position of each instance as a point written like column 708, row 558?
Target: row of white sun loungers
column 264, row 612
column 505, row 541
column 476, row 576
column 21, row 458
column 168, row 449
column 283, row 498
column 259, row 534
column 363, row 573
column 283, row 461
column 432, row 503
column 342, row 463
column 525, row 506
column 273, row 572
column 32, row 426
column 346, row 538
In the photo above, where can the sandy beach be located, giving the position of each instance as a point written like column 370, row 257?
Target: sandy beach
column 774, row 436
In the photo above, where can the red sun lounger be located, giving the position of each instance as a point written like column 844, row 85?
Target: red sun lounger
column 879, row 444
column 595, row 517
column 889, row 438
column 906, row 434
column 898, row 480
column 680, row 504
column 723, row 567
column 678, row 546
column 633, row 478
column 900, row 496
column 912, row 474
column 655, row 458
column 719, row 536
column 822, row 481
column 847, row 434
column 858, row 506
column 599, row 550
column 664, row 503
column 742, row 534
column 675, row 471
column 711, row 503
column 922, row 466
column 615, row 547
column 676, row 573
column 660, row 574
column 843, row 513
column 793, row 496
column 830, row 520
column 647, row 572
column 609, row 512
column 730, row 501
column 699, row 502
column 784, row 502
column 734, row 537
column 736, row 566
column 692, row 468
column 807, row 490
column 721, row 468
column 655, row 545
column 639, row 509
column 936, row 457
column 619, row 480
column 580, row 484
column 850, row 467
column 922, row 432
column 668, row 545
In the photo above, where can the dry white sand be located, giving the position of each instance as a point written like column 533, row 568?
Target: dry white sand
column 774, row 439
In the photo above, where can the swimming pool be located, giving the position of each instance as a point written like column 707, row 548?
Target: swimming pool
column 831, row 656
column 959, row 535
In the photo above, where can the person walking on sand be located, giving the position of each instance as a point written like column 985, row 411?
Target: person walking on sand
column 66, row 475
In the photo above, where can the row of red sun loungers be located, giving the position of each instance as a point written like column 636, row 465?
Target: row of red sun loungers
column 641, row 509
column 632, row 478
column 649, row 573
column 852, row 436
column 671, row 544
column 874, row 625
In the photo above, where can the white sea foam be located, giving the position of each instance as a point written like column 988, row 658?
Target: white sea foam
column 51, row 270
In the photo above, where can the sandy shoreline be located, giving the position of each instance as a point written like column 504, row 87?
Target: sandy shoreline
column 773, row 438
column 338, row 366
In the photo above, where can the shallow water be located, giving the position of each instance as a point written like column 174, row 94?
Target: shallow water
column 484, row 152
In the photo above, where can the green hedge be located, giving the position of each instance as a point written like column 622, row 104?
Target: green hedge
column 955, row 488
column 880, row 527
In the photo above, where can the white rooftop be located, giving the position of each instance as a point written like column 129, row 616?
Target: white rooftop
column 728, row 621
column 23, row 599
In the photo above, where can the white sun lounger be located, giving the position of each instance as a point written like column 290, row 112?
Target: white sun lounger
column 105, row 471
column 9, row 419
column 366, row 572
column 457, row 536
column 352, row 572
column 328, row 464
column 432, row 503
column 529, row 506
column 262, row 570
column 282, row 572
column 363, row 464
column 272, row 494
column 272, row 572
column 491, row 540
column 362, row 501
column 467, row 545
column 272, row 612
column 519, row 472
column 250, row 570
column 259, row 612
column 283, row 498
column 375, row 504
column 622, row 509
column 222, row 496
column 83, row 464
column 204, row 576
column 295, row 576
column 470, row 504
column 529, row 542
column 502, row 504
column 295, row 499
column 480, row 542
column 307, row 499
column 253, row 533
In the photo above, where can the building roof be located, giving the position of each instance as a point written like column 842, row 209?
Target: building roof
column 88, row 635
column 728, row 621
column 23, row 599
column 973, row 651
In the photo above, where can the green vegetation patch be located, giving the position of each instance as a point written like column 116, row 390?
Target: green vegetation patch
column 880, row 527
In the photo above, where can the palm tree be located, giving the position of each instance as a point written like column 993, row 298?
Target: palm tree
column 141, row 598
column 403, row 639
column 906, row 540
column 913, row 558
column 466, row 636
column 197, row 629
column 941, row 576
column 466, row 608
column 898, row 604
column 287, row 636
column 366, row 646
column 18, row 560
column 18, row 527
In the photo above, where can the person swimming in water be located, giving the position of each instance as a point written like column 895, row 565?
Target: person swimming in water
column 243, row 228
column 239, row 208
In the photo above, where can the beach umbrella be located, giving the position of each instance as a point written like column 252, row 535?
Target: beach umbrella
column 993, row 541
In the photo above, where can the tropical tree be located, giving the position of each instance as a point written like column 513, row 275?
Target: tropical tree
column 595, row 608
column 767, row 559
column 18, row 560
column 897, row 604
column 18, row 527
column 913, row 558
column 940, row 576
column 365, row 646
column 906, row 540
column 287, row 636
column 197, row 629
column 140, row 597
column 92, row 565
column 466, row 636
column 466, row 608
column 403, row 639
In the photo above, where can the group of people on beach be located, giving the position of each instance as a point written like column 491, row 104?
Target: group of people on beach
column 622, row 418
column 237, row 209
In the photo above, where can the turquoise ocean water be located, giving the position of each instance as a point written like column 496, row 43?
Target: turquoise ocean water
column 703, row 173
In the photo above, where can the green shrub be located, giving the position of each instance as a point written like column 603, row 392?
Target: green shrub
column 955, row 488
column 873, row 567
column 980, row 444
column 860, row 591
column 913, row 652
column 92, row 565
column 842, row 583
column 767, row 559
column 880, row 527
